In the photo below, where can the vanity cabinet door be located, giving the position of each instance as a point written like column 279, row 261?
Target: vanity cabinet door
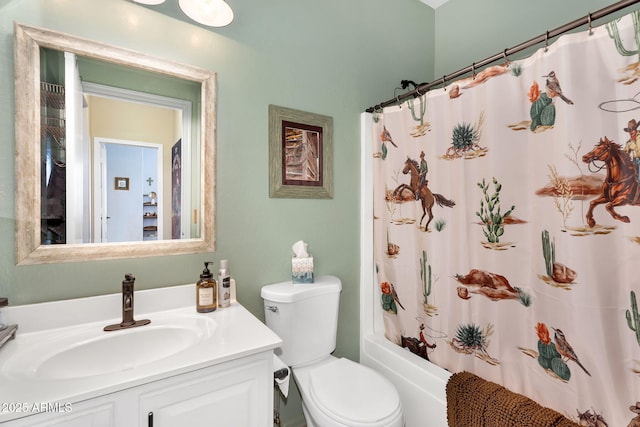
column 94, row 413
column 238, row 393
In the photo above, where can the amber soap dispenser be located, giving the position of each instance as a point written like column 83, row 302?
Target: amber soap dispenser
column 206, row 291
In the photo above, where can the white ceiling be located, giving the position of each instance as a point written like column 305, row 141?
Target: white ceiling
column 434, row 3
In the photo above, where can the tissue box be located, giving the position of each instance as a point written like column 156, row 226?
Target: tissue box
column 302, row 270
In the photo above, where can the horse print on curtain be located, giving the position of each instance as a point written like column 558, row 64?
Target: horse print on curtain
column 507, row 226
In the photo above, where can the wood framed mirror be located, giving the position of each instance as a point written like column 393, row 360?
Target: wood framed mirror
column 33, row 241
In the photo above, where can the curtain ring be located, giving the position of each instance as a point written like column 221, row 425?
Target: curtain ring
column 473, row 70
column 418, row 91
column 506, row 59
column 589, row 24
column 444, row 83
column 546, row 41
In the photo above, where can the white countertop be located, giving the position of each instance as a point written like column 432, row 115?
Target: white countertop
column 237, row 334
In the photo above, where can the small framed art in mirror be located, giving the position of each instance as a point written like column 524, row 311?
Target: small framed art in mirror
column 300, row 154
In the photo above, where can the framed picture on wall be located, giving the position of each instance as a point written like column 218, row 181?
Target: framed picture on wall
column 300, row 154
column 121, row 183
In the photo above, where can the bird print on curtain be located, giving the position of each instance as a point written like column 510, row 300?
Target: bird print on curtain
column 507, row 226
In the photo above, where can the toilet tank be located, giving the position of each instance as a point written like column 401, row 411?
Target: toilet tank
column 304, row 316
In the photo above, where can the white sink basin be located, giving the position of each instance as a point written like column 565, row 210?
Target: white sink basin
column 87, row 351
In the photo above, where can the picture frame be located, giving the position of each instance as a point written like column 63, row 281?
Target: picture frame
column 300, row 154
column 121, row 183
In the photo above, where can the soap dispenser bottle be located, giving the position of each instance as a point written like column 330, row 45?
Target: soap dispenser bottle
column 206, row 291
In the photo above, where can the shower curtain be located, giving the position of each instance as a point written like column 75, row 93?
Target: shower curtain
column 507, row 224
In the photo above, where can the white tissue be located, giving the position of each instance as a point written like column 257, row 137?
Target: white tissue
column 300, row 249
column 283, row 384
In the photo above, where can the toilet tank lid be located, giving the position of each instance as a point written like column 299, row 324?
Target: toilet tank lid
column 290, row 292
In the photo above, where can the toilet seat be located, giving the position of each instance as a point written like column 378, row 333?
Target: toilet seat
column 354, row 395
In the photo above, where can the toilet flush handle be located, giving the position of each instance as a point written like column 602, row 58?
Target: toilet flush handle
column 273, row 308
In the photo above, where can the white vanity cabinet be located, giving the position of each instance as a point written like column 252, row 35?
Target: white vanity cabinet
column 183, row 369
column 237, row 393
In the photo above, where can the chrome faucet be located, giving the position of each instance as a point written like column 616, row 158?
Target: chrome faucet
column 127, row 307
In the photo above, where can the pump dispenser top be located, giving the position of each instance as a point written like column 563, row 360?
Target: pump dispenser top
column 206, row 273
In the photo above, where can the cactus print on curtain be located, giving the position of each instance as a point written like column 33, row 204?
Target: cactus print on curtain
column 507, row 224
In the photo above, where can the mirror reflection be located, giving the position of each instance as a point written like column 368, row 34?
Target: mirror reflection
column 116, row 161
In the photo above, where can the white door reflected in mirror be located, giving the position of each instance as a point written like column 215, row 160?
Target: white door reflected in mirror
column 127, row 207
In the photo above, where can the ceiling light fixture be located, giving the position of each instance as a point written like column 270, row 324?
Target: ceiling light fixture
column 212, row 13
column 150, row 2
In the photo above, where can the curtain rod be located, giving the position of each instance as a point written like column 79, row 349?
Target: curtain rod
column 423, row 88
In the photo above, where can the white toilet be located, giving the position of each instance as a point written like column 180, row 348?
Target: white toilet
column 335, row 392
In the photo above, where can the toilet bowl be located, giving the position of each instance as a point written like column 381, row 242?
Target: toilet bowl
column 340, row 393
column 336, row 392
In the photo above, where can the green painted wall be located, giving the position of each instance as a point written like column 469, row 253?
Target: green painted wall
column 329, row 57
column 468, row 31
